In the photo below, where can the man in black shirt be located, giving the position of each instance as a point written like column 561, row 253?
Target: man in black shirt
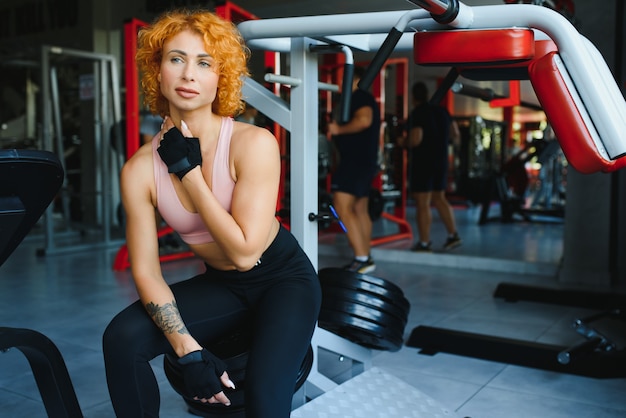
column 357, row 142
column 429, row 132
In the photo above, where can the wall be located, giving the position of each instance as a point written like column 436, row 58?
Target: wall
column 594, row 246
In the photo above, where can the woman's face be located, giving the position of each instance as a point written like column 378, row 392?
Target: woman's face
column 188, row 74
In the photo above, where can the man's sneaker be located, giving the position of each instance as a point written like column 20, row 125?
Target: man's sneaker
column 452, row 242
column 420, row 247
column 361, row 266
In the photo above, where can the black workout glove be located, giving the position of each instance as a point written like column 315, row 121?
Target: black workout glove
column 201, row 372
column 180, row 154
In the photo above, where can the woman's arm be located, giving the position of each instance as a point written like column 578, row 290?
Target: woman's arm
column 244, row 233
column 137, row 183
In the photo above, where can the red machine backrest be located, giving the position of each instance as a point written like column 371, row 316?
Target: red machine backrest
column 476, row 48
column 559, row 101
column 500, row 53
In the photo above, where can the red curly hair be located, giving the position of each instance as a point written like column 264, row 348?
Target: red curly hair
column 222, row 41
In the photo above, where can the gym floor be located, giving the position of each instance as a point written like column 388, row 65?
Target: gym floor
column 70, row 298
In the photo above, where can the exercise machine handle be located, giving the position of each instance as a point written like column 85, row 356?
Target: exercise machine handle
column 346, row 92
column 348, row 76
column 442, row 11
column 379, row 59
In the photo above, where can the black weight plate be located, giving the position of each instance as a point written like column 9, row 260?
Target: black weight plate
column 365, row 285
column 207, row 410
column 374, row 315
column 363, row 298
column 334, row 273
column 378, row 315
column 360, row 331
column 361, row 286
column 231, row 344
column 386, row 325
column 340, row 319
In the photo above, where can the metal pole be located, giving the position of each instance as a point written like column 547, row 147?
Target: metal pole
column 47, row 136
column 105, row 129
column 304, row 143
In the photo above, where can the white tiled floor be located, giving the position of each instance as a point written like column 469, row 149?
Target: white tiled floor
column 71, row 297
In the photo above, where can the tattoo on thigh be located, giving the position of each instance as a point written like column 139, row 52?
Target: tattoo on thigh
column 167, row 317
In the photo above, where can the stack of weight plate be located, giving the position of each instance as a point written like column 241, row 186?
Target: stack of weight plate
column 233, row 349
column 367, row 310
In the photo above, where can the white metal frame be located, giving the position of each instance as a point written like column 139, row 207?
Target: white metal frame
column 591, row 76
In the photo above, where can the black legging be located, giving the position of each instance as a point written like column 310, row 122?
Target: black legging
column 282, row 295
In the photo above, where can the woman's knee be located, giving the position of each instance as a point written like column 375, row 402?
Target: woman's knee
column 114, row 334
column 127, row 328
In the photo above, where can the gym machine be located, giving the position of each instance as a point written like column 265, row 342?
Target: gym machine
column 102, row 175
column 300, row 118
column 598, row 354
column 32, row 180
column 571, row 80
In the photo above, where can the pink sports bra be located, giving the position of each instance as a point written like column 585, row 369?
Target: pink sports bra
column 189, row 225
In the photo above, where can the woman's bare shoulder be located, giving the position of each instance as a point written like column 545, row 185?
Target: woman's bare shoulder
column 246, row 134
column 143, row 154
column 253, row 146
column 139, row 163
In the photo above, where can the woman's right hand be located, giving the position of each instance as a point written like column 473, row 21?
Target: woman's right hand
column 178, row 149
column 204, row 374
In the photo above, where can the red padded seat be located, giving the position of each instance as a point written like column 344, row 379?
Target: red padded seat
column 512, row 71
column 474, row 47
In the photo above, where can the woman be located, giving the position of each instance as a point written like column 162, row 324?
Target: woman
column 215, row 181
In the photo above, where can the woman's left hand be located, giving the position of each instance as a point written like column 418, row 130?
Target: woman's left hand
column 168, row 124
